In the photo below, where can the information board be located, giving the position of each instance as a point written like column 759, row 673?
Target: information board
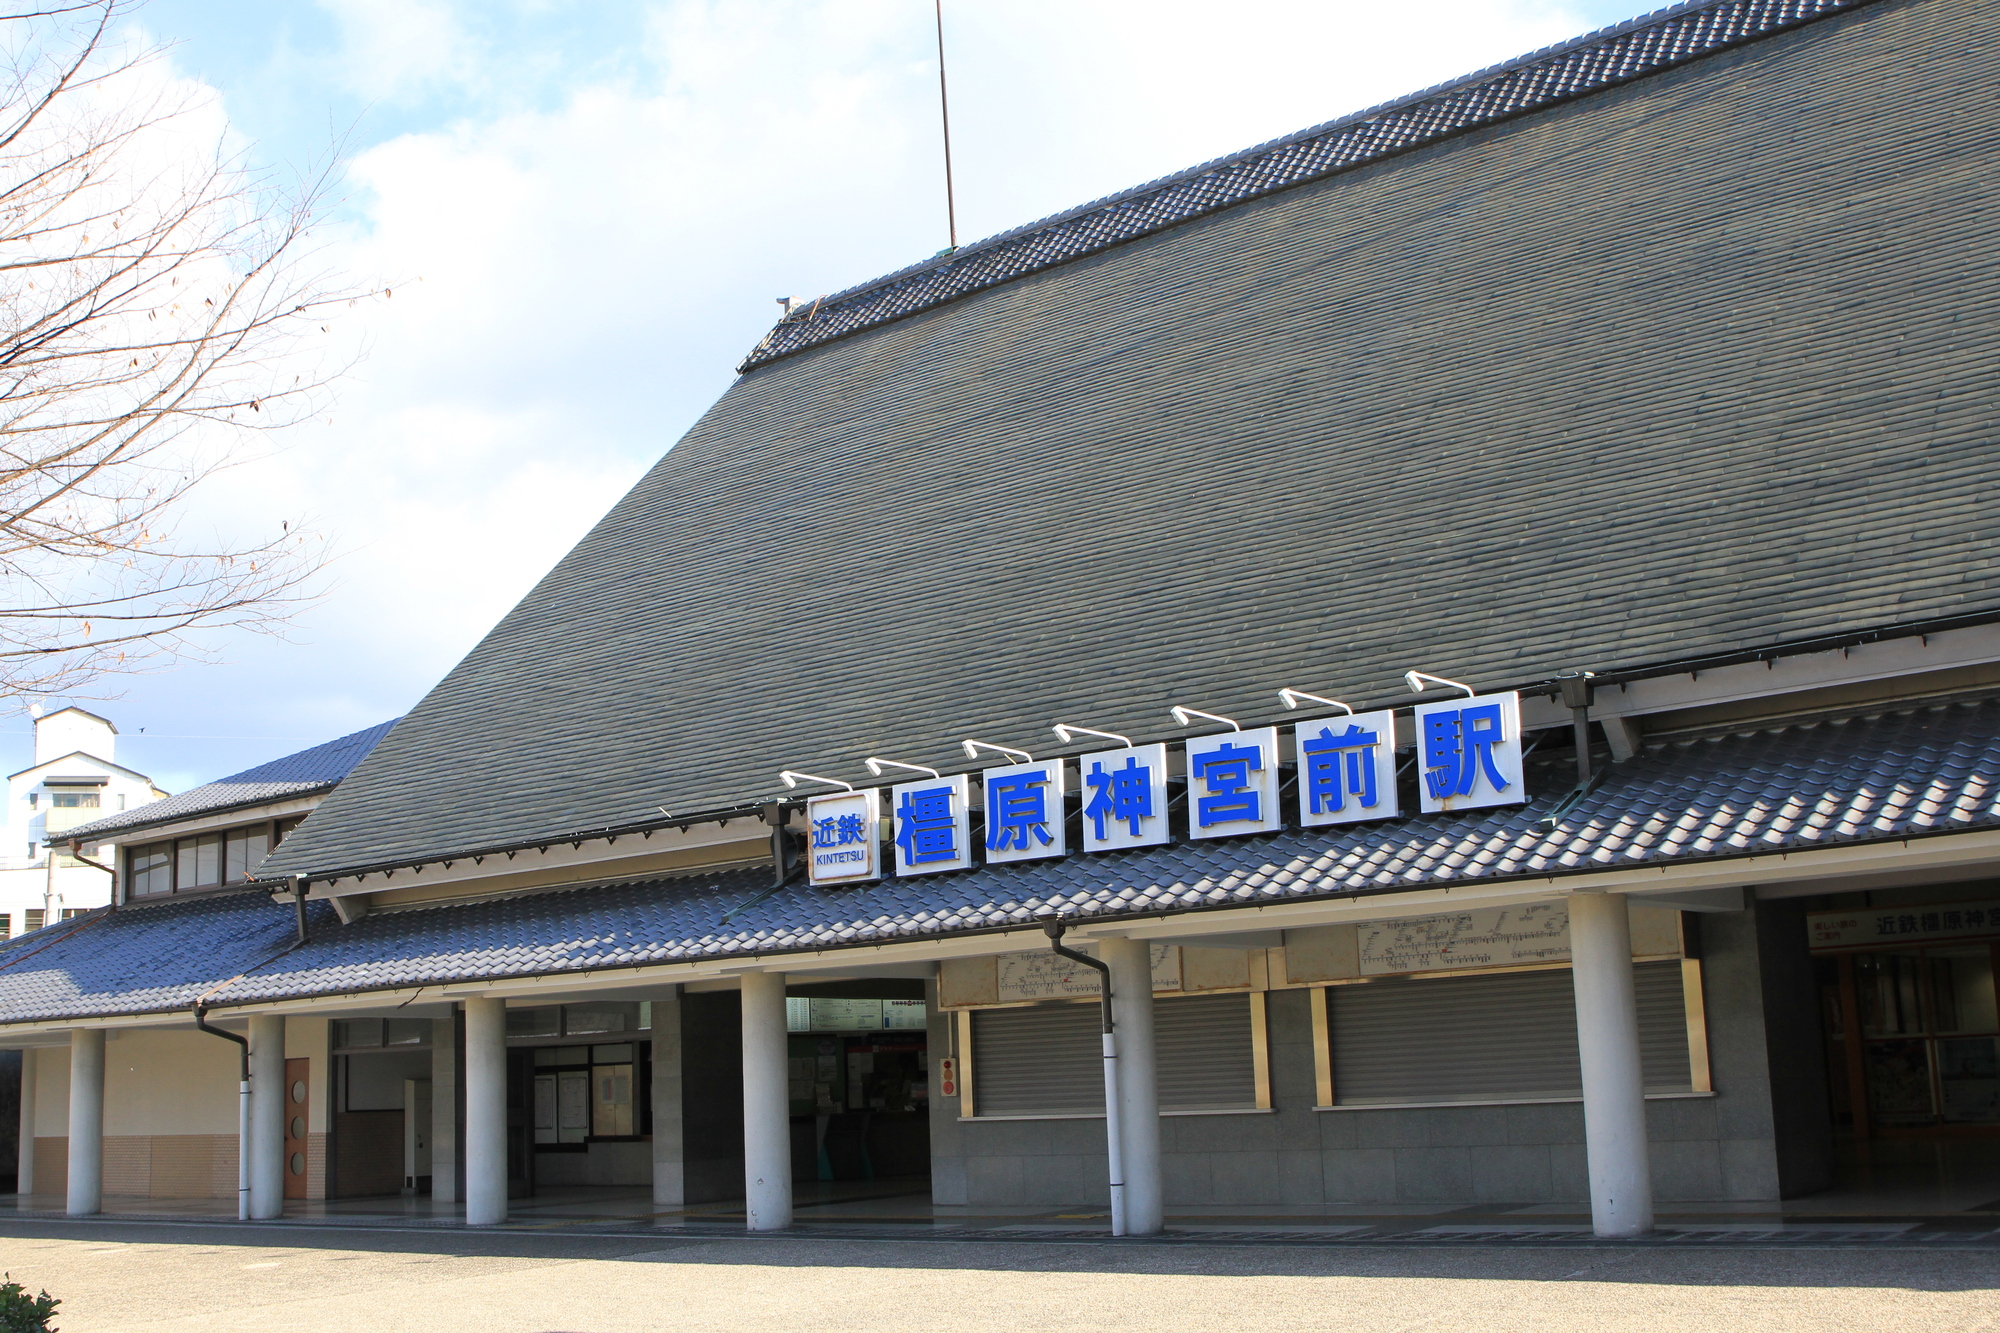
column 1897, row 925
column 1484, row 937
column 1039, row 974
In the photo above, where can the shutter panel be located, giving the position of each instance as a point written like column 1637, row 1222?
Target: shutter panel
column 1046, row 1059
column 1494, row 1037
column 1206, row 1061
column 1041, row 1060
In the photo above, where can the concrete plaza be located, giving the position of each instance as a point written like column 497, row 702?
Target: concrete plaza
column 128, row 1276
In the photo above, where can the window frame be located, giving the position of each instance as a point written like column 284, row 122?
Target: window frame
column 220, row 845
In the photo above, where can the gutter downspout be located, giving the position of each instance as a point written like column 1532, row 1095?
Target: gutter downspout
column 242, row 1111
column 1113, row 1128
column 76, row 853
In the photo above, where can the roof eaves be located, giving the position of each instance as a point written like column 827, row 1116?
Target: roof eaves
column 100, row 828
column 81, row 754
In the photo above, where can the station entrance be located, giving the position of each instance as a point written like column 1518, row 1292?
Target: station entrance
column 1909, row 1020
column 859, row 1075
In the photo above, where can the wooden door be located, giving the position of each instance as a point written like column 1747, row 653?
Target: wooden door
column 298, row 1093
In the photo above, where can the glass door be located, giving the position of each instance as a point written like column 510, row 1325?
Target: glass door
column 1928, row 1045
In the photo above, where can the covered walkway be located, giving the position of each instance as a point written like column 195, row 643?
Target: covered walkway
column 1919, row 1191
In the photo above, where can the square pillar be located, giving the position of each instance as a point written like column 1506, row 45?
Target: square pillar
column 767, row 1107
column 444, row 1109
column 25, row 1177
column 86, row 1121
column 1614, row 1081
column 266, row 1145
column 669, row 1136
column 485, row 1111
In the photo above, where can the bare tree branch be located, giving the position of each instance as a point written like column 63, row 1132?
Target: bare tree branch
column 155, row 316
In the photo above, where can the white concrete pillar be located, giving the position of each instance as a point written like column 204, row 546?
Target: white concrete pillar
column 485, row 1112
column 86, row 1121
column 24, row 1180
column 267, row 1116
column 767, row 1108
column 444, row 1109
column 669, row 1141
column 1131, row 967
column 1614, row 1083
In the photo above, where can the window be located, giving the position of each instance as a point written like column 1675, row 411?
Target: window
column 73, row 800
column 544, row 1022
column 284, row 828
column 149, row 869
column 243, row 850
column 33, row 919
column 578, row 1020
column 586, row 1092
column 6, row 926
column 207, row 861
column 69, row 912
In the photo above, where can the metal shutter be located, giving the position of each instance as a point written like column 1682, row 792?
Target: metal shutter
column 1045, row 1059
column 1483, row 1038
column 1206, row 1061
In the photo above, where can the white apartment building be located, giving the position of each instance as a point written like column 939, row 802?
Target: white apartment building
column 74, row 780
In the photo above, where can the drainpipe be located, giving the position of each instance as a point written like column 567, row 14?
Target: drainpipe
column 1577, row 694
column 1113, row 1135
column 242, row 1112
column 299, row 904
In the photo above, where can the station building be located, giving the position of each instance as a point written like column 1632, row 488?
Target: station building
column 1479, row 617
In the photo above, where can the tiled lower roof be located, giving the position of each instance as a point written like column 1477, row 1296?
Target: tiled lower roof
column 1826, row 784
column 1602, row 59
column 318, row 769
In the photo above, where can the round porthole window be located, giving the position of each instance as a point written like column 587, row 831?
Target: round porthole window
column 298, row 1126
column 298, row 1090
column 298, row 1163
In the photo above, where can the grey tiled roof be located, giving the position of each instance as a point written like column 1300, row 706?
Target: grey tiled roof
column 1700, row 363
column 1894, row 776
column 316, row 769
column 1542, row 78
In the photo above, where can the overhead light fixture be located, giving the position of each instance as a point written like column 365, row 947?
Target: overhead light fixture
column 793, row 778
column 972, row 749
column 1067, row 732
column 1181, row 715
column 1415, row 680
column 876, row 766
column 1291, row 700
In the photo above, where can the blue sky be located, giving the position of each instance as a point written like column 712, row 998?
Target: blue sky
column 586, row 211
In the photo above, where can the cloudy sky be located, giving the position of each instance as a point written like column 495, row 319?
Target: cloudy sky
column 585, row 209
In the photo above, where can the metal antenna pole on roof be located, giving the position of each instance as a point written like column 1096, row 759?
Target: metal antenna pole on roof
column 944, row 114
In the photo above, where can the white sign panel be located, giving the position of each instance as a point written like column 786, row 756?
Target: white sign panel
column 933, row 828
column 1233, row 784
column 1486, row 937
column 1347, row 769
column 1469, row 753
column 1124, row 798
column 1024, row 812
column 845, row 839
column 1040, row 974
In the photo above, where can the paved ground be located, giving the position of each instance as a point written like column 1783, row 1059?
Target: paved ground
column 145, row 1277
